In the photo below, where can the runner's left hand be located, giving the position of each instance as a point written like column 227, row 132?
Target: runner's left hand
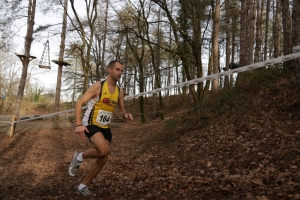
column 80, row 131
column 129, row 116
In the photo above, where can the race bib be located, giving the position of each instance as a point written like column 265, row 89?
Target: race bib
column 104, row 117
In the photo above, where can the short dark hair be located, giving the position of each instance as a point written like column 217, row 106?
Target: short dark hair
column 112, row 63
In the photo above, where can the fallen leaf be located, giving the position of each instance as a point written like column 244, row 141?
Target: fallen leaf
column 262, row 198
column 257, row 181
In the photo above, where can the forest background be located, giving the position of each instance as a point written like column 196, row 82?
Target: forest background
column 234, row 137
column 160, row 42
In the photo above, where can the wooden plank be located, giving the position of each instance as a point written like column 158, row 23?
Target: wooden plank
column 45, row 66
column 117, row 119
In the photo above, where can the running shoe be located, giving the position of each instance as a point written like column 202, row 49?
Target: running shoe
column 85, row 192
column 74, row 165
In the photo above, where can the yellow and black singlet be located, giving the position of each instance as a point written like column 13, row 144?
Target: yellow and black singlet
column 100, row 109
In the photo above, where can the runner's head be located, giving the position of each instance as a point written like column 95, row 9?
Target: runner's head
column 115, row 69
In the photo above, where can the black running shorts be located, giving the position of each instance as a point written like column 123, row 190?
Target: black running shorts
column 106, row 132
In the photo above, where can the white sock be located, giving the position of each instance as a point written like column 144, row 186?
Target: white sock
column 79, row 157
column 81, row 186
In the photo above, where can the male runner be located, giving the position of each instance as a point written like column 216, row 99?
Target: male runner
column 102, row 97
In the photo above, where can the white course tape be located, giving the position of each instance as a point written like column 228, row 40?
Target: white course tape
column 5, row 122
column 296, row 49
column 194, row 81
column 226, row 73
column 46, row 116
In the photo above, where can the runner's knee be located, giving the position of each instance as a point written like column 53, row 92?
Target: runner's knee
column 103, row 151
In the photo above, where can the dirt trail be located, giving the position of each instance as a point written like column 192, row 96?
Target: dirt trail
column 33, row 164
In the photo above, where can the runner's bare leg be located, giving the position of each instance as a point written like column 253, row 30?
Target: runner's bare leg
column 100, row 151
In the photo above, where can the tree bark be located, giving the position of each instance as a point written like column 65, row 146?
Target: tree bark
column 196, row 15
column 104, row 40
column 234, row 30
column 209, row 72
column 87, row 37
column 250, row 32
column 287, row 30
column 276, row 28
column 182, row 39
column 228, row 42
column 215, row 44
column 141, row 80
column 55, row 124
column 25, row 59
column 156, row 62
column 296, row 38
column 137, row 48
column 243, row 34
column 258, row 35
column 266, row 43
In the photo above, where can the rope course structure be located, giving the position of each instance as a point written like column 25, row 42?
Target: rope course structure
column 190, row 82
column 45, row 59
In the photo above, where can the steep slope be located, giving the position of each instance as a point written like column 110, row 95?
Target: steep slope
column 241, row 143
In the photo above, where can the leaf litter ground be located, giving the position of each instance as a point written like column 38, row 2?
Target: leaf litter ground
column 245, row 148
column 198, row 166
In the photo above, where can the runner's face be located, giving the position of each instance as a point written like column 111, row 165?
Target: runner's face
column 116, row 71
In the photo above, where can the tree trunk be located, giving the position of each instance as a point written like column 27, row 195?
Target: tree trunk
column 138, row 50
column 169, row 58
column 258, row 35
column 156, row 61
column 245, row 23
column 184, row 88
column 55, row 124
column 267, row 30
column 197, row 41
column 296, row 38
column 104, row 40
column 215, row 43
column 141, row 89
column 75, row 81
column 209, row 72
column 287, row 30
column 234, row 29
column 87, row 35
column 228, row 42
column 177, row 76
column 243, row 34
column 276, row 28
column 182, row 44
column 125, row 70
column 25, row 59
column 250, row 32
column 157, row 66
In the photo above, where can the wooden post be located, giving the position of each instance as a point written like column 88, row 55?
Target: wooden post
column 13, row 126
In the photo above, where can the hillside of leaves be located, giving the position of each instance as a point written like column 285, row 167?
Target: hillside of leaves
column 241, row 143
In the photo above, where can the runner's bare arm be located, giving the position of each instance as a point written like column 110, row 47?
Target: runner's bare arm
column 122, row 106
